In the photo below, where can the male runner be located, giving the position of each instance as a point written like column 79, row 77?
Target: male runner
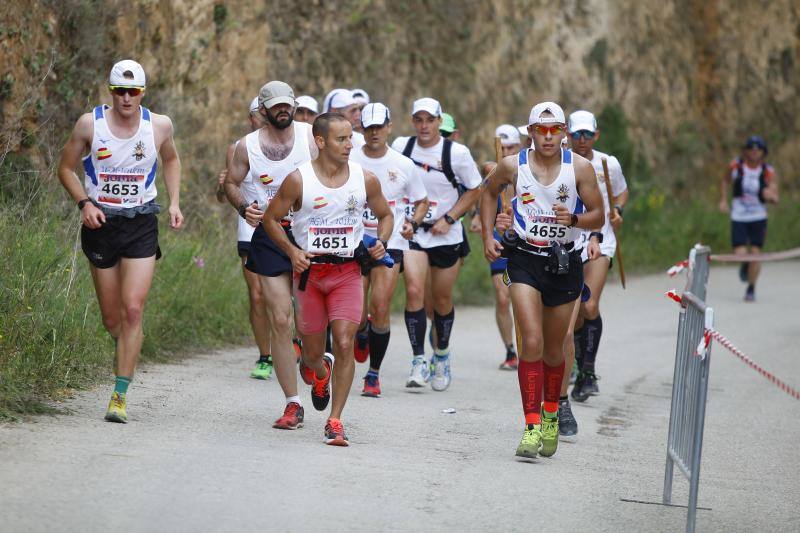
column 119, row 146
column 267, row 156
column 342, row 101
column 544, row 270
column 436, row 248
column 306, row 110
column 589, row 326
column 403, row 188
column 328, row 196
column 361, row 97
column 754, row 184
column 448, row 128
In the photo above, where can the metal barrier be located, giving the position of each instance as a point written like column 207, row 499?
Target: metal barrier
column 690, row 383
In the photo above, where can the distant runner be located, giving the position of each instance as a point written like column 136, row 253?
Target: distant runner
column 306, row 110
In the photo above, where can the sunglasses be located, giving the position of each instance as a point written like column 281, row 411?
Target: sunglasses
column 552, row 130
column 121, row 91
column 586, row 134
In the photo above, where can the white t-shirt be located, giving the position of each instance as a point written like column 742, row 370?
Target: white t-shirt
column 441, row 194
column 401, row 184
column 358, row 140
column 618, row 186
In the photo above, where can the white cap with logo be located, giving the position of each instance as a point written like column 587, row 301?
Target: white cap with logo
column 509, row 136
column 546, row 107
column 582, row 121
column 127, row 73
column 254, row 105
column 375, row 114
column 360, row 96
column 274, row 93
column 429, row 105
column 308, row 102
column 337, row 99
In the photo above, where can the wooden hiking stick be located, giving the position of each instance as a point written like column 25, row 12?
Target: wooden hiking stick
column 618, row 253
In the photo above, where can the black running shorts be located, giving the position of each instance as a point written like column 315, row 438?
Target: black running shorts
column 119, row 237
column 396, row 255
column 556, row 289
column 265, row 258
column 443, row 256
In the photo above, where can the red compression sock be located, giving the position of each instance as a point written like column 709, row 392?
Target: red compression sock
column 553, row 376
column 530, row 386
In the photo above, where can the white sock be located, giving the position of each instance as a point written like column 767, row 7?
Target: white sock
column 295, row 399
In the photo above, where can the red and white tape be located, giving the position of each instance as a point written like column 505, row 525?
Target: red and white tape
column 677, row 268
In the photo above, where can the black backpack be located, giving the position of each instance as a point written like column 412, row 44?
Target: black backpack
column 446, row 169
column 737, row 180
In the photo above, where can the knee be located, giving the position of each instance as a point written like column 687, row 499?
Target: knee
column 342, row 344
column 380, row 311
column 442, row 302
column 591, row 309
column 532, row 347
column 133, row 313
column 503, row 301
column 414, row 292
column 111, row 323
column 280, row 321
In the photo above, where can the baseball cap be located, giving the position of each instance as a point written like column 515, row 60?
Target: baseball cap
column 375, row 114
column 757, row 141
column 337, row 99
column 117, row 76
column 430, row 105
column 523, row 131
column 509, row 136
column 448, row 123
column 274, row 93
column 254, row 105
column 539, row 109
column 582, row 121
column 307, row 102
column 360, row 96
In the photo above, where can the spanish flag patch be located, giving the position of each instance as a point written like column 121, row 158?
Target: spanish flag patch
column 266, row 179
column 103, row 153
column 320, row 202
column 527, row 197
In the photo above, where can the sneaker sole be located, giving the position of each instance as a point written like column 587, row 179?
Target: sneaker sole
column 338, row 441
column 506, row 367
column 411, row 384
column 437, row 387
column 568, row 438
column 528, row 454
column 115, row 418
column 264, row 378
column 284, row 426
column 549, row 454
column 370, row 395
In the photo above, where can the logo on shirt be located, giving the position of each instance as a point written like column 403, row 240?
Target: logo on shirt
column 527, row 197
column 563, row 193
column 393, row 175
column 103, row 153
column 266, row 179
column 351, row 205
column 138, row 151
column 320, row 202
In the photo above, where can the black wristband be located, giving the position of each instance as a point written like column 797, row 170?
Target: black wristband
column 450, row 220
column 83, row 202
column 619, row 209
column 414, row 225
column 597, row 234
column 573, row 221
column 242, row 209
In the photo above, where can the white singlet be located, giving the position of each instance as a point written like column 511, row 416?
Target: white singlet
column 329, row 221
column 748, row 207
column 121, row 173
column 618, row 186
column 401, row 184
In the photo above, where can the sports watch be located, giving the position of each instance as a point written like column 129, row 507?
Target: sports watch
column 242, row 209
column 82, row 203
column 619, row 209
column 450, row 220
column 414, row 225
column 597, row 234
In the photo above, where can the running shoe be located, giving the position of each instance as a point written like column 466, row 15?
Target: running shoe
column 292, row 417
column 510, row 363
column 117, row 411
column 372, row 386
column 549, row 435
column 430, row 337
column 585, row 386
column 306, row 374
column 334, row 433
column 441, row 373
column 750, row 295
column 321, row 389
column 567, row 425
column 298, row 348
column 263, row 369
column 743, row 272
column 420, row 373
column 361, row 348
column 531, row 442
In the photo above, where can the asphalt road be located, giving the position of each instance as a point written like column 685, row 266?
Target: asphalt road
column 199, row 453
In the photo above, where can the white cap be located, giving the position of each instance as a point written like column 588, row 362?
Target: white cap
column 117, row 75
column 274, row 93
column 552, row 107
column 509, row 136
column 523, row 131
column 254, row 105
column 337, row 99
column 307, row 102
column 430, row 105
column 582, row 120
column 360, row 96
column 375, row 114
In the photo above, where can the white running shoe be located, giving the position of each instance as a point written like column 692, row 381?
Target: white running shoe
column 441, row 373
column 419, row 373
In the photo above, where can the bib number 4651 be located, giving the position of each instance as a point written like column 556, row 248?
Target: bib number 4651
column 330, row 242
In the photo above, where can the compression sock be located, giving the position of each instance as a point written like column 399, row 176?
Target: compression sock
column 416, row 323
column 121, row 384
column 593, row 331
column 443, row 325
column 579, row 337
column 553, row 376
column 530, row 377
column 378, row 343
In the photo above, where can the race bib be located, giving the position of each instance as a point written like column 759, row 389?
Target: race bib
column 543, row 228
column 411, row 208
column 331, row 240
column 121, row 189
column 371, row 220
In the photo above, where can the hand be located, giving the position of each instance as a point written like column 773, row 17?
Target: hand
column 615, row 220
column 253, row 215
column 563, row 216
column 723, row 206
column 175, row 217
column 475, row 224
column 221, row 178
column 504, row 221
column 408, row 231
column 492, row 249
column 91, row 216
column 593, row 249
column 770, row 196
column 301, row 260
column 440, row 227
column 377, row 251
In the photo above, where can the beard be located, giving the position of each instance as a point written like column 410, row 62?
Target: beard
column 280, row 124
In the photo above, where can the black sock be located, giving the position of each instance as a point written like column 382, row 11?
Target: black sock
column 329, row 340
column 378, row 343
column 593, row 331
column 580, row 346
column 562, row 399
column 510, row 353
column 264, row 358
column 444, row 325
column 416, row 323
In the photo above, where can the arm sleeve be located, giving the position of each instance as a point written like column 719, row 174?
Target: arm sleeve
column 465, row 167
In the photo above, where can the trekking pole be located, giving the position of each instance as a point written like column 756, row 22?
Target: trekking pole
column 618, row 253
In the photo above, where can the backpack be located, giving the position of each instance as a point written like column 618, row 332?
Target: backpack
column 737, row 180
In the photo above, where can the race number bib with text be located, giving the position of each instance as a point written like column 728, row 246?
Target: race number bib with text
column 543, row 228
column 121, row 189
column 331, row 240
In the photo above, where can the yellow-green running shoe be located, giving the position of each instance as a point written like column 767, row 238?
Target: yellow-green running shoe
column 116, row 409
column 549, row 435
column 263, row 369
column 531, row 441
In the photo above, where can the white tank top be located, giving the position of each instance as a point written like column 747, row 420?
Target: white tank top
column 329, row 221
column 121, row 173
column 534, row 218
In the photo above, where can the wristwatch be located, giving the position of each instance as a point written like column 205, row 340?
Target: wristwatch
column 619, row 209
column 573, row 221
column 242, row 209
column 414, row 225
column 597, row 234
column 82, row 203
column 450, row 220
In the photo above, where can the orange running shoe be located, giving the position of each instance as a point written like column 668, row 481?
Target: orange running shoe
column 292, row 417
column 372, row 386
column 361, row 347
column 334, row 433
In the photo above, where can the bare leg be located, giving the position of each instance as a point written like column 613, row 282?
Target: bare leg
column 502, row 310
column 259, row 321
column 136, row 276
column 569, row 347
column 277, row 291
column 343, row 334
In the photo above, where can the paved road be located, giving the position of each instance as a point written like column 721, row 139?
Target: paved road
column 199, row 453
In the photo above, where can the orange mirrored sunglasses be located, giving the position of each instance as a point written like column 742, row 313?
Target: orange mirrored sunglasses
column 544, row 130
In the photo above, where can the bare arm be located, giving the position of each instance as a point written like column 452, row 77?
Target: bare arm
column 172, row 170
column 238, row 167
column 771, row 191
column 501, row 176
column 222, row 175
column 586, row 181
column 380, row 207
column 289, row 193
column 723, row 191
column 79, row 142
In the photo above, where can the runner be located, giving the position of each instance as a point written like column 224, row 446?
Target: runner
column 448, row 128
column 328, row 195
column 589, row 326
column 525, row 139
column 544, row 270
column 342, row 101
column 307, row 109
column 754, row 184
column 119, row 147
column 403, row 188
column 361, row 97
column 260, row 163
column 436, row 248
